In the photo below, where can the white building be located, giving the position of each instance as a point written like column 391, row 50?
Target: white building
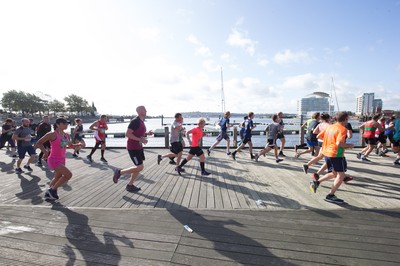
column 365, row 104
column 315, row 102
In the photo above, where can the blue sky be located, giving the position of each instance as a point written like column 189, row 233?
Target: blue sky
column 167, row 55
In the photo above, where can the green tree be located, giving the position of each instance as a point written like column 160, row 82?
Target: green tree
column 15, row 101
column 56, row 107
column 76, row 104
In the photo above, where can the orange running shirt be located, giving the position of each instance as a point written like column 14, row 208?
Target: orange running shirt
column 332, row 136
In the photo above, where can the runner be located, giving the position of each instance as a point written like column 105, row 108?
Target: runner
column 333, row 149
column 59, row 142
column 281, row 136
column 195, row 149
column 311, row 138
column 273, row 131
column 249, row 126
column 78, row 136
column 175, row 141
column 136, row 134
column 369, row 128
column 7, row 130
column 100, row 127
column 224, row 124
column 43, row 128
column 320, row 127
column 23, row 137
column 396, row 140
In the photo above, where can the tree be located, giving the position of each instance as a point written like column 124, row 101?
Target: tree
column 15, row 101
column 76, row 104
column 56, row 106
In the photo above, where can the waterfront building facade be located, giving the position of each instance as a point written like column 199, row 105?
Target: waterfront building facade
column 368, row 105
column 315, row 102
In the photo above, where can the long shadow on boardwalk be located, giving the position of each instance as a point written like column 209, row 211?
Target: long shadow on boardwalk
column 227, row 242
column 80, row 235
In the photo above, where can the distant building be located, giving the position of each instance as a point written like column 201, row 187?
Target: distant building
column 315, row 102
column 378, row 106
column 368, row 105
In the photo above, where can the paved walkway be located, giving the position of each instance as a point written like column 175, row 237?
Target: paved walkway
column 96, row 222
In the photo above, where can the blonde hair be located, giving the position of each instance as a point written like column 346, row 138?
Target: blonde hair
column 201, row 121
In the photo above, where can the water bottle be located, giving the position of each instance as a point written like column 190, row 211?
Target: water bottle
column 188, row 228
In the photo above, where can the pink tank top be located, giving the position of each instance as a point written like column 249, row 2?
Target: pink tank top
column 59, row 145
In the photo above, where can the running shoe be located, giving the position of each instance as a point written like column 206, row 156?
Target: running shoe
column 208, row 152
column 51, row 194
column 74, row 155
column 179, row 170
column 347, row 179
column 315, row 177
column 313, row 186
column 103, row 160
column 117, row 175
column 18, row 170
column 376, row 151
column 89, row 158
column 365, row 159
column 172, row 161
column 14, row 156
column 281, row 154
column 205, row 173
column 278, row 160
column 132, row 188
column 397, row 162
column 27, row 167
column 333, row 199
column 228, row 153
column 256, row 157
column 295, row 148
column 305, row 168
column 39, row 164
column 297, row 155
column 234, row 155
column 159, row 158
column 252, row 156
column 359, row 155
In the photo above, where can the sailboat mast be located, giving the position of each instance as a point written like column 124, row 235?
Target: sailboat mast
column 222, row 93
column 334, row 90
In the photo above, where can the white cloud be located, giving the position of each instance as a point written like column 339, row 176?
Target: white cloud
column 193, row 39
column 201, row 49
column 211, row 66
column 240, row 21
column 226, row 57
column 398, row 68
column 344, row 49
column 149, row 34
column 301, row 82
column 288, row 57
column 262, row 62
column 239, row 39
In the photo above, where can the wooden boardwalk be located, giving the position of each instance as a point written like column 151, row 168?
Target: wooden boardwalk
column 97, row 222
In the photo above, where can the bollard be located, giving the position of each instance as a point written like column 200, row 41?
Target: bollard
column 166, row 136
column 235, row 133
column 301, row 132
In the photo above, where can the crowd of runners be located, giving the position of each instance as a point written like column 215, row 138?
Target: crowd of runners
column 325, row 139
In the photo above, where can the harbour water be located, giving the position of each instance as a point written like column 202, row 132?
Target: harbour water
column 156, row 123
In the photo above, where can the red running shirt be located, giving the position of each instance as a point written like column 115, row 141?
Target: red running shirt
column 197, row 135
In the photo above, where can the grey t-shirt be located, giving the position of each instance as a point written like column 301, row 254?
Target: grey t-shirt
column 175, row 132
column 273, row 130
column 23, row 132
